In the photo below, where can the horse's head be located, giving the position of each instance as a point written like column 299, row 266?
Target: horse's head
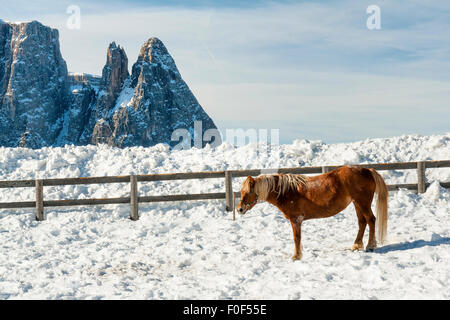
column 248, row 196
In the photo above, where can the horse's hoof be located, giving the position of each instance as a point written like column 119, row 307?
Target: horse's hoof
column 296, row 257
column 357, row 247
column 370, row 248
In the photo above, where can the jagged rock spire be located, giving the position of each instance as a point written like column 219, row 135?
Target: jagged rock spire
column 115, row 70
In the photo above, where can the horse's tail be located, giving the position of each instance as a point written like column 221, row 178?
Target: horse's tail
column 381, row 190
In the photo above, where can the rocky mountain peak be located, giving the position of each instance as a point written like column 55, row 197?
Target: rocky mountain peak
column 154, row 54
column 37, row 108
column 162, row 101
column 33, row 87
column 152, row 47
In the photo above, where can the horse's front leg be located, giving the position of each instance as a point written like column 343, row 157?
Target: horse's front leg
column 296, row 224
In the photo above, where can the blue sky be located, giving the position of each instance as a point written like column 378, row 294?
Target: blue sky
column 311, row 69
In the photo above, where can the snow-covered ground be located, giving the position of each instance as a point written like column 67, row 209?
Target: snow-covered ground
column 184, row 250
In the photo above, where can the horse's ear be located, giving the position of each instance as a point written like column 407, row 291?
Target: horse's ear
column 251, row 181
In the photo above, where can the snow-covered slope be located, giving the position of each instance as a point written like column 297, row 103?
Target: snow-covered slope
column 195, row 250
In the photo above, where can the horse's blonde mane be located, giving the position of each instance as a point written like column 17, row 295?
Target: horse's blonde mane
column 266, row 183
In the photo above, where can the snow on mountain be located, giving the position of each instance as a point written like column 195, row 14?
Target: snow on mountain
column 194, row 250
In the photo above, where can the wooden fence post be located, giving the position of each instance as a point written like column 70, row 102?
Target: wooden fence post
column 234, row 207
column 421, row 180
column 134, row 205
column 229, row 203
column 39, row 200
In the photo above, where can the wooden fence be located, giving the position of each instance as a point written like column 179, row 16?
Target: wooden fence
column 134, row 199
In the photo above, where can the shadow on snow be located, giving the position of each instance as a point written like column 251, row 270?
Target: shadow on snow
column 436, row 240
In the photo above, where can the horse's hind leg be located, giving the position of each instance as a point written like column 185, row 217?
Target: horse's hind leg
column 358, row 245
column 365, row 211
column 370, row 218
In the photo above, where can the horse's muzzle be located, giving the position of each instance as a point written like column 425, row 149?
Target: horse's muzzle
column 241, row 209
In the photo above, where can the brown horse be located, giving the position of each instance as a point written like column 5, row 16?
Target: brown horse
column 302, row 198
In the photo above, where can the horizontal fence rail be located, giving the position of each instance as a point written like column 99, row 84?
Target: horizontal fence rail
column 229, row 195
